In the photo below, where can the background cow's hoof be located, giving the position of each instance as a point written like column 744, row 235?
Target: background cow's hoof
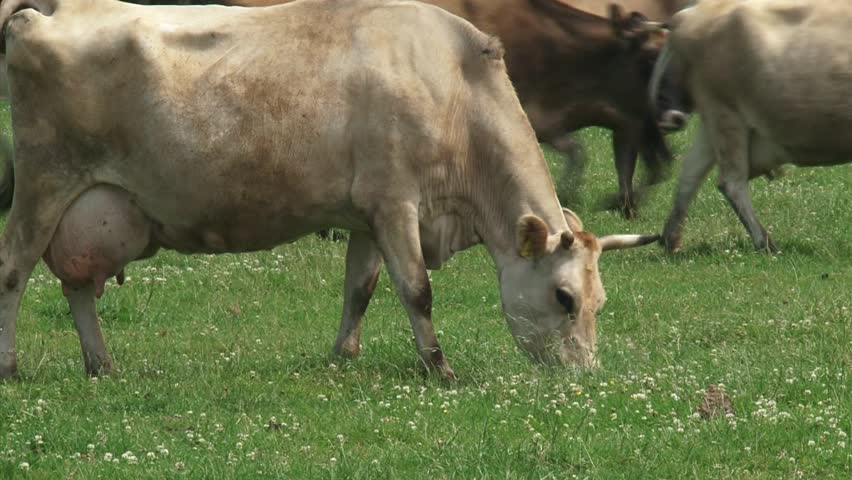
column 768, row 246
column 446, row 373
column 627, row 206
column 435, row 362
column 8, row 366
column 99, row 368
column 347, row 349
column 672, row 243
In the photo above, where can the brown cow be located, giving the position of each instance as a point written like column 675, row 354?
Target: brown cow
column 656, row 10
column 574, row 69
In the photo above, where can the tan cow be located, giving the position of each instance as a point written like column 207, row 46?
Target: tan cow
column 216, row 129
column 772, row 82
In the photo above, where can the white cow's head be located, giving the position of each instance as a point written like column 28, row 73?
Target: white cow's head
column 552, row 290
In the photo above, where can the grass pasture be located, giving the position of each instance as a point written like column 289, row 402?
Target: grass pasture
column 225, row 372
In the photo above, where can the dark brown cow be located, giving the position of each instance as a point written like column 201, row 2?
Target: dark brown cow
column 656, row 10
column 574, row 69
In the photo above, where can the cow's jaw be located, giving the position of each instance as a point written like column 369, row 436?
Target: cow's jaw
column 542, row 328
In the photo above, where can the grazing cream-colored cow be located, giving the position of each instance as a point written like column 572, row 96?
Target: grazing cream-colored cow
column 772, row 82
column 218, row 129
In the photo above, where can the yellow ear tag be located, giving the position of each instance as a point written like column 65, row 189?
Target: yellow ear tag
column 526, row 249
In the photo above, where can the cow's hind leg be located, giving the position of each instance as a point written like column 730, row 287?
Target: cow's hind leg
column 398, row 236
column 363, row 264
column 731, row 140
column 697, row 164
column 625, row 166
column 736, row 192
column 28, row 231
column 95, row 355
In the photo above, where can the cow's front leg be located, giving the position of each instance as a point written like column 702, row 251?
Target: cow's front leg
column 398, row 236
column 363, row 264
column 95, row 355
column 696, row 166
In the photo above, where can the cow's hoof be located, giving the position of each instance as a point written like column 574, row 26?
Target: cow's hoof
column 349, row 348
column 436, row 362
column 672, row 243
column 8, row 366
column 768, row 246
column 98, row 367
column 627, row 207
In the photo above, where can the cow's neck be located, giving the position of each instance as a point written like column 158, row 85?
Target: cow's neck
column 521, row 187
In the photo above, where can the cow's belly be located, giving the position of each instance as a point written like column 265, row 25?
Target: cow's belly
column 219, row 220
column 245, row 232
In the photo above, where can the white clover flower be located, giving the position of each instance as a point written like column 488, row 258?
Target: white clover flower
column 24, row 466
column 107, row 457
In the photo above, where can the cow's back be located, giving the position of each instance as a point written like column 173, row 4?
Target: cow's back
column 784, row 65
column 294, row 115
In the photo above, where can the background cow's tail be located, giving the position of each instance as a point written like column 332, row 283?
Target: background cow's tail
column 7, row 174
column 10, row 7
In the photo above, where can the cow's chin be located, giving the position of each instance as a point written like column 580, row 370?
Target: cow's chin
column 553, row 348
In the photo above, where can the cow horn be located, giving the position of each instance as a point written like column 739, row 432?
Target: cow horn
column 618, row 242
column 651, row 27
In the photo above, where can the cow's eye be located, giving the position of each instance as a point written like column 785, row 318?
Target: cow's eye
column 565, row 299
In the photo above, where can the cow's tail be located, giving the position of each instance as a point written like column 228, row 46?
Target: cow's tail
column 660, row 68
column 11, row 7
column 7, row 174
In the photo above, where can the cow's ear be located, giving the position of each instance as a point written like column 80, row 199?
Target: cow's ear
column 532, row 237
column 629, row 28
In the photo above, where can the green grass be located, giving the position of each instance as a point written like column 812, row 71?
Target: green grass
column 225, row 369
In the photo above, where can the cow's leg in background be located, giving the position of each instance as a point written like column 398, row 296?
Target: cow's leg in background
column 733, row 151
column 655, row 154
column 569, row 185
column 95, row 355
column 397, row 233
column 697, row 164
column 624, row 147
column 363, row 264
